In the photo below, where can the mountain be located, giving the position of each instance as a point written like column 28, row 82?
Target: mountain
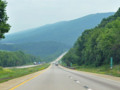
column 46, row 50
column 58, row 35
column 58, row 32
column 95, row 47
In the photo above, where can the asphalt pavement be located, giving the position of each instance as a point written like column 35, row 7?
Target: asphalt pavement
column 59, row 78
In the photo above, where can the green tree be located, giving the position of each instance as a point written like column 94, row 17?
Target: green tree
column 96, row 46
column 4, row 26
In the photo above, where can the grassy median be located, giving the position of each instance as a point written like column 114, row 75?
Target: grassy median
column 7, row 74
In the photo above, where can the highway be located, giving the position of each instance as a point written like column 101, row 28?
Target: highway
column 59, row 78
column 25, row 66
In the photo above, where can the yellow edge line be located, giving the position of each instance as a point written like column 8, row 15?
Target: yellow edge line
column 29, row 79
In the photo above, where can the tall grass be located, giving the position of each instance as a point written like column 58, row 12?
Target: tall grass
column 7, row 74
column 1, row 68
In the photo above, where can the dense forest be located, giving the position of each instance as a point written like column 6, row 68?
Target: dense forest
column 46, row 50
column 8, row 59
column 96, row 46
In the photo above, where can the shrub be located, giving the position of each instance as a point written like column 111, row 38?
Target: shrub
column 1, row 68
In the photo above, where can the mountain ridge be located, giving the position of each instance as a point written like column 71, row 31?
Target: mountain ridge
column 44, row 32
column 62, row 34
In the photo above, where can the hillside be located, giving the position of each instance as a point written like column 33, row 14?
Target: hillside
column 46, row 50
column 96, row 46
column 53, row 38
column 8, row 59
column 58, row 32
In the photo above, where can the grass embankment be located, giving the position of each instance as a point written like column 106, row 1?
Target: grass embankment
column 7, row 74
column 101, row 70
column 115, row 71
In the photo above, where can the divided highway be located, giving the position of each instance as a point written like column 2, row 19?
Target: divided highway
column 59, row 78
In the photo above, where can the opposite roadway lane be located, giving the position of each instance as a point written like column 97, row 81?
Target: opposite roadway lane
column 59, row 78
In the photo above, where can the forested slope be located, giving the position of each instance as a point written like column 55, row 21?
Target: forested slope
column 46, row 50
column 51, row 40
column 96, row 46
column 8, row 59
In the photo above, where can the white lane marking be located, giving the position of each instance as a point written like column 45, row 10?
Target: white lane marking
column 89, row 89
column 77, row 81
column 70, row 77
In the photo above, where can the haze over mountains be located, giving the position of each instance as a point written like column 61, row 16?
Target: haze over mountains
column 53, row 39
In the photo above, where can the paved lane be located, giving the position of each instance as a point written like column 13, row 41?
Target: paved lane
column 93, row 82
column 58, row 78
column 53, row 79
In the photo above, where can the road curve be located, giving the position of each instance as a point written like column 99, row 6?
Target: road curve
column 58, row 78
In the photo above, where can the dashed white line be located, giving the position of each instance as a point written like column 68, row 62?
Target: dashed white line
column 70, row 77
column 89, row 89
column 77, row 82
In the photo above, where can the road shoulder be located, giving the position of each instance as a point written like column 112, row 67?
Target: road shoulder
column 95, row 74
column 14, row 82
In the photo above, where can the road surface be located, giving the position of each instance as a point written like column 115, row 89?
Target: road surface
column 25, row 66
column 59, row 78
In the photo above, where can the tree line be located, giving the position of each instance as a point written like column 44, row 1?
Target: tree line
column 18, row 58
column 96, row 46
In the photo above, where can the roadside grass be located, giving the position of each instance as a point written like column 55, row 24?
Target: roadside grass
column 7, row 74
column 115, row 71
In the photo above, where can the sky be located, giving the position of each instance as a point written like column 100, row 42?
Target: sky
column 27, row 14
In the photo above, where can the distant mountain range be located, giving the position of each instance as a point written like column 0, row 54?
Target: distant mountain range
column 53, row 38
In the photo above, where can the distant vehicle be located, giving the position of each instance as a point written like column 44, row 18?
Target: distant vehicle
column 38, row 63
column 34, row 63
column 56, row 64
